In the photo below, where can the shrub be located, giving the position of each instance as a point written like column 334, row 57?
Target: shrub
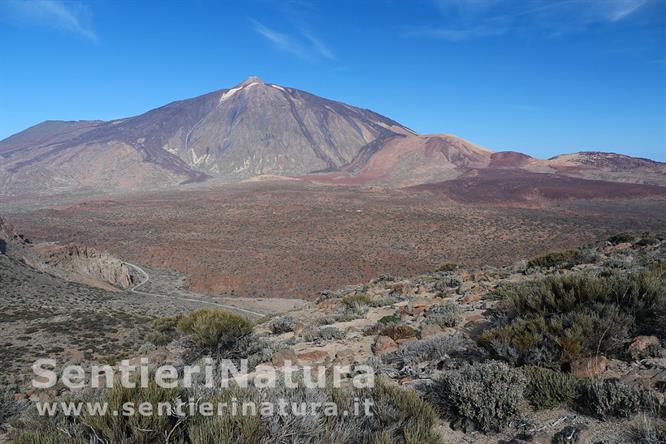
column 648, row 432
column 158, row 339
column 444, row 315
column 398, row 416
column 213, row 328
column 167, row 324
column 354, row 300
column 447, row 267
column 484, row 396
column 605, row 399
column 346, row 315
column 559, row 259
column 325, row 333
column 282, row 324
column 34, row 428
column 390, row 319
column 430, row 349
column 399, row 332
column 548, row 389
column 552, row 321
column 620, row 238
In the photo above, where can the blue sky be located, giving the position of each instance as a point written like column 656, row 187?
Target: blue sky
column 538, row 76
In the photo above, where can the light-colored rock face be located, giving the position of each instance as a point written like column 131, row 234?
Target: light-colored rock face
column 79, row 263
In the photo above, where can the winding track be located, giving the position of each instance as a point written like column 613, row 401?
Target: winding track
column 200, row 301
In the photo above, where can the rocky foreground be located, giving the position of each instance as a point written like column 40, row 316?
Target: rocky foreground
column 563, row 348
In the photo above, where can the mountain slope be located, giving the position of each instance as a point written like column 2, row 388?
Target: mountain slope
column 254, row 128
column 262, row 129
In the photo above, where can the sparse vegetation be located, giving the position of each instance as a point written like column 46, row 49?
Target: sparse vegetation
column 282, row 324
column 447, row 267
column 553, row 321
column 559, row 259
column 483, row 396
column 324, row 333
column 399, row 416
column 605, row 399
column 448, row 314
column 548, row 388
column 212, row 328
column 396, row 332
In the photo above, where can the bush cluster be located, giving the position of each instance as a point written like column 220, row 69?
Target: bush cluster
column 444, row 315
column 282, row 324
column 311, row 334
column 482, row 396
column 214, row 328
column 603, row 399
column 399, row 416
column 399, row 332
column 553, row 321
column 558, row 259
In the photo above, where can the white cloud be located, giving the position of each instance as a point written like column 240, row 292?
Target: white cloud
column 471, row 19
column 305, row 45
column 68, row 16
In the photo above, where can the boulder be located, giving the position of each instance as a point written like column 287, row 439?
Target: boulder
column 281, row 356
column 430, row 330
column 384, row 345
column 312, row 357
column 471, row 298
column 644, row 347
column 571, row 435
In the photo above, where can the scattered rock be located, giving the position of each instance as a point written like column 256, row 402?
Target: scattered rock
column 475, row 318
column 281, row 356
column 384, row 345
column 571, row 435
column 471, row 298
column 430, row 330
column 314, row 356
column 644, row 347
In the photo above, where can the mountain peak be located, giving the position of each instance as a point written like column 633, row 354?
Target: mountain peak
column 250, row 80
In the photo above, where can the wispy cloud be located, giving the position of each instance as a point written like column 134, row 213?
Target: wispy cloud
column 472, row 19
column 302, row 44
column 68, row 16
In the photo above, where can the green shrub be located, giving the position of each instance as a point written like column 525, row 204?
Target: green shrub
column 552, row 321
column 620, row 238
column 390, row 319
column 32, row 428
column 166, row 324
column 354, row 300
column 648, row 431
column 158, row 338
column 447, row 267
column 483, row 396
column 444, row 315
column 282, row 324
column 325, row 333
column 559, row 259
column 213, row 328
column 424, row 350
column 398, row 416
column 605, row 399
column 399, row 332
column 548, row 389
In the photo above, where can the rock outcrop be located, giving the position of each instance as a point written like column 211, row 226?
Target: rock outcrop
column 80, row 262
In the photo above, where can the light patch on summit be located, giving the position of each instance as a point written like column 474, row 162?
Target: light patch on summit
column 224, row 97
column 279, row 87
column 230, row 93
